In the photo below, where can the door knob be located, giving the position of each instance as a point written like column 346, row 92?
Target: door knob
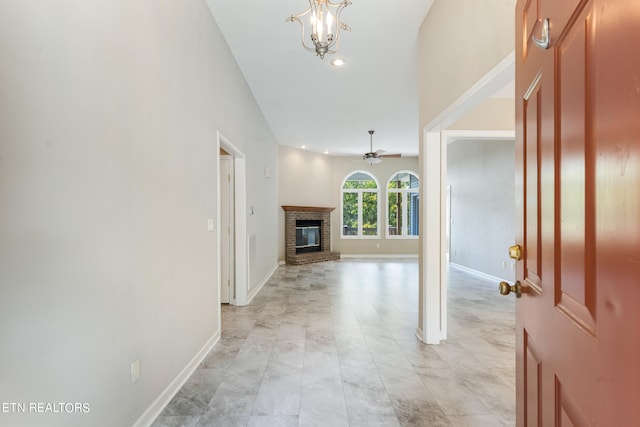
column 506, row 289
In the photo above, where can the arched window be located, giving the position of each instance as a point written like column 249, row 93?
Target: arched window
column 360, row 206
column 402, row 205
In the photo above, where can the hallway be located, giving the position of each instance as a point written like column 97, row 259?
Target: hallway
column 333, row 344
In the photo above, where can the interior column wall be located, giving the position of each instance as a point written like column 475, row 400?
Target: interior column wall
column 479, row 39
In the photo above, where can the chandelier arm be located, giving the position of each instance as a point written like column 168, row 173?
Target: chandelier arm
column 334, row 46
column 341, row 6
column 339, row 25
column 296, row 18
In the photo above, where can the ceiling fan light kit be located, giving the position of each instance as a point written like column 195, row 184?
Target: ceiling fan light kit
column 325, row 25
column 371, row 159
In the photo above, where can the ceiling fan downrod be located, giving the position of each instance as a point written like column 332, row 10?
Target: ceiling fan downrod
column 371, row 157
column 371, row 132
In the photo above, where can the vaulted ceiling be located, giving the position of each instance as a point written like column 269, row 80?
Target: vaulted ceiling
column 309, row 102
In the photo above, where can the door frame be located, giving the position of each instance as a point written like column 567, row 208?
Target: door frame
column 432, row 319
column 227, row 204
column 238, row 295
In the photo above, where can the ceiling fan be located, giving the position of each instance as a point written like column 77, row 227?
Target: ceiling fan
column 375, row 157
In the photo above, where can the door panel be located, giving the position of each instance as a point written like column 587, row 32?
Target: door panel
column 578, row 207
column 226, row 222
column 532, row 238
column 533, row 375
column 567, row 412
column 575, row 287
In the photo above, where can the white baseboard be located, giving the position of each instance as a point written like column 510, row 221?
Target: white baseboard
column 259, row 286
column 152, row 412
column 478, row 273
column 379, row 256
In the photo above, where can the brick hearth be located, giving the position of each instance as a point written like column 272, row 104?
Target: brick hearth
column 294, row 213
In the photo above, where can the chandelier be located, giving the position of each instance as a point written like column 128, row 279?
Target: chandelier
column 325, row 25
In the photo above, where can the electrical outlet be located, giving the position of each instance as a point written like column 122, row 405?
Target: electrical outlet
column 513, row 266
column 504, row 265
column 210, row 224
column 135, row 370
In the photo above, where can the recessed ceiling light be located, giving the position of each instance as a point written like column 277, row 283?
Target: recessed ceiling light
column 338, row 62
column 326, row 152
column 303, row 147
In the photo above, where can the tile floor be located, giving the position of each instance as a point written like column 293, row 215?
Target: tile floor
column 333, row 344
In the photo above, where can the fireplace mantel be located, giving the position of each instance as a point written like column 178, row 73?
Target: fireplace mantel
column 287, row 208
column 305, row 213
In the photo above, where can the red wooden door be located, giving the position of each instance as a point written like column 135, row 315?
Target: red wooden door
column 578, row 185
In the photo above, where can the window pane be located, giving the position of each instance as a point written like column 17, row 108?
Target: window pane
column 360, row 180
column 395, row 214
column 349, row 214
column 400, row 180
column 369, row 213
column 412, row 213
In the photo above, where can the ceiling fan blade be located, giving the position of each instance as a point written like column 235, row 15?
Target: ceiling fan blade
column 390, row 156
column 380, row 152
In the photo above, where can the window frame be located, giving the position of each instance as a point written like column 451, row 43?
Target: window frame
column 404, row 232
column 359, row 191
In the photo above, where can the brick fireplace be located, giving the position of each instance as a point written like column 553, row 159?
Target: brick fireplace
column 295, row 217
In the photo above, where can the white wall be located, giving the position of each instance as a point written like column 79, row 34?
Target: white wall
column 482, row 179
column 459, row 42
column 312, row 179
column 109, row 111
column 493, row 114
column 305, row 180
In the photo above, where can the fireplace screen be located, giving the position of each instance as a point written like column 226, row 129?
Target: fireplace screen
column 307, row 237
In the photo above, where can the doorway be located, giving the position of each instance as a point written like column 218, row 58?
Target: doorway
column 481, row 212
column 432, row 321
column 232, row 223
column 227, row 229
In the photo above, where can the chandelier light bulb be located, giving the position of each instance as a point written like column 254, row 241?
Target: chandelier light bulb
column 319, row 28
